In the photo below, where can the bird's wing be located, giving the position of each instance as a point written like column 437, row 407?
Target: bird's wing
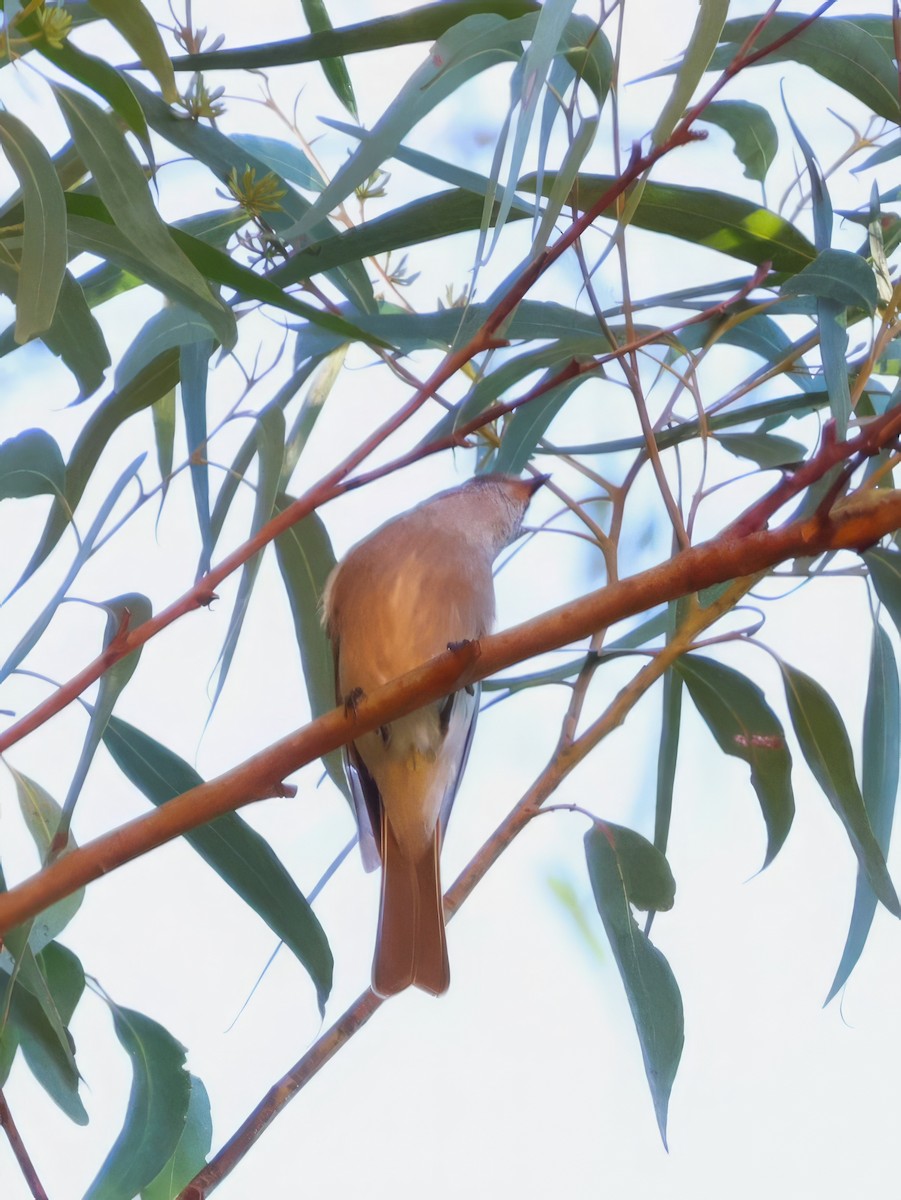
column 367, row 806
column 464, row 708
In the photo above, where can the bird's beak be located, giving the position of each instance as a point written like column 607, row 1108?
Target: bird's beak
column 535, row 483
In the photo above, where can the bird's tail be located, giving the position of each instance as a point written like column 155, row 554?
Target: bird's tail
column 411, row 947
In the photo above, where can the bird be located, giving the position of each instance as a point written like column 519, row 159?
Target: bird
column 419, row 584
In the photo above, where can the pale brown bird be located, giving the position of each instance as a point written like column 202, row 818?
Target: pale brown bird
column 398, row 598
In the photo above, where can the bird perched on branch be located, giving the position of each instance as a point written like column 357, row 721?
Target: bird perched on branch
column 401, row 596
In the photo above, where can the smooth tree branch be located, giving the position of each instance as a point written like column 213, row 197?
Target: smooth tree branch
column 26, row 1166
column 564, row 760
column 335, row 481
column 857, row 525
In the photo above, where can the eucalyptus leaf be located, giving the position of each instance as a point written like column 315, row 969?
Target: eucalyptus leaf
column 627, row 870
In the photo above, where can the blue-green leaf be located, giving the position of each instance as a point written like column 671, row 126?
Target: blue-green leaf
column 881, row 752
column 191, row 1151
column 31, row 465
column 626, row 870
column 234, row 850
column 737, row 714
column 44, row 246
column 827, row 750
column 157, row 1108
column 752, row 130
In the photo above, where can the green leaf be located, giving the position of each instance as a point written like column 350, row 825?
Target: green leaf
column 147, row 387
column 44, row 246
column 839, row 50
column 670, row 732
column 31, row 465
column 827, row 750
column 467, row 49
column 333, row 68
column 766, row 449
column 704, row 37
column 103, row 78
column 270, row 443
column 123, row 613
column 287, row 160
column 528, row 424
column 836, row 275
column 194, row 369
column 235, row 851
column 701, row 216
column 163, row 413
column 221, row 155
column 306, row 559
column 885, row 575
column 175, row 325
column 752, row 130
column 625, row 869
column 881, row 752
column 157, row 1108
column 124, row 189
column 737, row 714
column 422, row 24
column 74, row 335
column 85, row 548
column 42, row 815
column 191, row 1151
column 139, row 29
column 28, row 1025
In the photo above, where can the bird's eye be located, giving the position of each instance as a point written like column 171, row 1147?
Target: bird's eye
column 385, row 734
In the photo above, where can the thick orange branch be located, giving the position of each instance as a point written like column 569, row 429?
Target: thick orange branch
column 869, row 517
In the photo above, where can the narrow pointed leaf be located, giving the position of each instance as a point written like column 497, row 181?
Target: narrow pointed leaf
column 704, row 217
column 270, row 441
column 31, row 465
column 306, row 559
column 154, row 381
column 765, row 449
column 157, row 1108
column 827, row 750
column 194, row 369
column 752, row 130
column 838, row 49
column 467, row 49
column 124, row 613
column 139, row 29
column 881, row 754
column 103, row 78
column 626, row 870
column 704, row 37
column 334, row 69
column 191, row 1151
column 243, row 859
column 737, row 714
column 51, row 1066
column 885, row 575
column 125, row 191
column 42, row 815
column 836, row 275
column 528, row 424
column 32, row 635
column 44, row 247
column 221, row 155
column 286, row 159
column 176, row 325
column 425, row 23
